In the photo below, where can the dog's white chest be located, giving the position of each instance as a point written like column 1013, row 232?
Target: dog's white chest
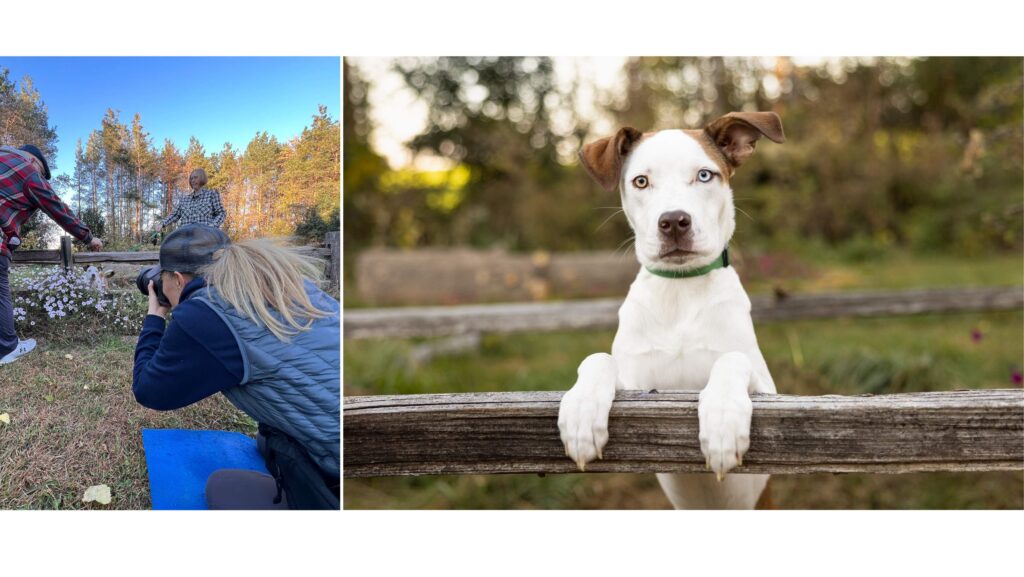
column 665, row 358
column 670, row 338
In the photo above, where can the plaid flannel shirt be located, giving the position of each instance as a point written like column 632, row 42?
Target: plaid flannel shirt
column 23, row 191
column 200, row 207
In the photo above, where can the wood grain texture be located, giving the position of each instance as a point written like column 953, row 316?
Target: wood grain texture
column 603, row 313
column 486, row 433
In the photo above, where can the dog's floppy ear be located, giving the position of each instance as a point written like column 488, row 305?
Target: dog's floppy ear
column 603, row 158
column 736, row 133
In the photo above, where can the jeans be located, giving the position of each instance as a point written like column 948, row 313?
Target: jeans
column 8, row 338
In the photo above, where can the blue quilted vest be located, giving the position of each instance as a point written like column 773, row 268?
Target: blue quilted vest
column 293, row 386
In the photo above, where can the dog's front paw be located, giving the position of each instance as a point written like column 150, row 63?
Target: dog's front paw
column 583, row 412
column 724, row 413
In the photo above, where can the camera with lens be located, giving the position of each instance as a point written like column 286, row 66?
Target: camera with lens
column 152, row 273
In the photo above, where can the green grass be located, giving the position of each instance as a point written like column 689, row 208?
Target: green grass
column 837, row 356
column 823, row 271
column 74, row 423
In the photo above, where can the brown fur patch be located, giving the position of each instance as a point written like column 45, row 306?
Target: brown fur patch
column 713, row 152
column 736, row 134
column 728, row 141
column 603, row 158
column 765, row 501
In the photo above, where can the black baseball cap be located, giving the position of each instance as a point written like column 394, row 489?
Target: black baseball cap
column 34, row 151
column 191, row 247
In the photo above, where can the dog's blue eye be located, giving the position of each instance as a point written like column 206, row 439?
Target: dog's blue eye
column 705, row 175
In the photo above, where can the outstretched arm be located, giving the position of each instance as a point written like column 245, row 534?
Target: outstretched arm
column 175, row 215
column 43, row 197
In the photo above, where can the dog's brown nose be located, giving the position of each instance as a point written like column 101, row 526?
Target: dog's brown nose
column 675, row 223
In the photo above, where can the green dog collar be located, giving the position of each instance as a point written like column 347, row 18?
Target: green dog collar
column 721, row 262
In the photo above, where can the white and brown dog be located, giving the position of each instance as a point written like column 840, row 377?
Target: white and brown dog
column 95, row 277
column 686, row 322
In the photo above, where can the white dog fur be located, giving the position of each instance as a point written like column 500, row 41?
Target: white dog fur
column 691, row 333
column 96, row 278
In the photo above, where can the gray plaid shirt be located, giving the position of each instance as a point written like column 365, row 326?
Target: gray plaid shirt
column 200, row 207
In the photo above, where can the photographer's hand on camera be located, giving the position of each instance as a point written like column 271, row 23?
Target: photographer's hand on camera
column 155, row 308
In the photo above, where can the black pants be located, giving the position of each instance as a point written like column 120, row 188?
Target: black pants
column 8, row 338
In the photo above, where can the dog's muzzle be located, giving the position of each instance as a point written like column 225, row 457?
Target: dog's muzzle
column 676, row 234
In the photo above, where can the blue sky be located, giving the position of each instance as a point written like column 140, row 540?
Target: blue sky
column 217, row 100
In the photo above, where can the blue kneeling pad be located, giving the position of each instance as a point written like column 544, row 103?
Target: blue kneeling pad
column 179, row 462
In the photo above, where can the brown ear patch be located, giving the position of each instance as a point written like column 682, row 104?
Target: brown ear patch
column 736, row 133
column 603, row 158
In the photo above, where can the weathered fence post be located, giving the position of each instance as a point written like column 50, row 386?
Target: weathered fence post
column 65, row 252
column 333, row 241
column 657, row 431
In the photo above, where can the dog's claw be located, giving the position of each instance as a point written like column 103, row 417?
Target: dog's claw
column 720, row 475
column 739, row 460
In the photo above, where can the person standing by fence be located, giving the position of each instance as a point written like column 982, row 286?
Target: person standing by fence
column 24, row 189
column 201, row 206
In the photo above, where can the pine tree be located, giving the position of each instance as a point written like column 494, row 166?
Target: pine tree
column 23, row 116
column 260, row 170
column 143, row 165
column 170, row 172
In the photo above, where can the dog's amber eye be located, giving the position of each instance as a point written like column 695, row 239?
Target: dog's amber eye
column 705, row 175
column 640, row 181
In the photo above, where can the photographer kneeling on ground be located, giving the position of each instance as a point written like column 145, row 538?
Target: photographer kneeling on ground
column 24, row 189
column 249, row 323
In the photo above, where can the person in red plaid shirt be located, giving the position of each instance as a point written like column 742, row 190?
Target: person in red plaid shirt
column 24, row 190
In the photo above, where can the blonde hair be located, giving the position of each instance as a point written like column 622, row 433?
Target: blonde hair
column 203, row 179
column 255, row 276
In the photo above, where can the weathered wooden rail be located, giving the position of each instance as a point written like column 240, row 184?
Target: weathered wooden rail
column 603, row 313
column 331, row 253
column 487, row 433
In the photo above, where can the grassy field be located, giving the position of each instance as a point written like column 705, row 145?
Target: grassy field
column 74, row 423
column 836, row 356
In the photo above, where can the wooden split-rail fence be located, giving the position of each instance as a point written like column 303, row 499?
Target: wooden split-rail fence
column 657, row 431
column 407, row 322
column 330, row 253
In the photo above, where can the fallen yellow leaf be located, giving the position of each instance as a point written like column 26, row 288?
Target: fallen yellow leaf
column 5, row 418
column 97, row 493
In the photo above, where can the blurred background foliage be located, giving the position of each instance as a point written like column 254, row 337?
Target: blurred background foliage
column 922, row 153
